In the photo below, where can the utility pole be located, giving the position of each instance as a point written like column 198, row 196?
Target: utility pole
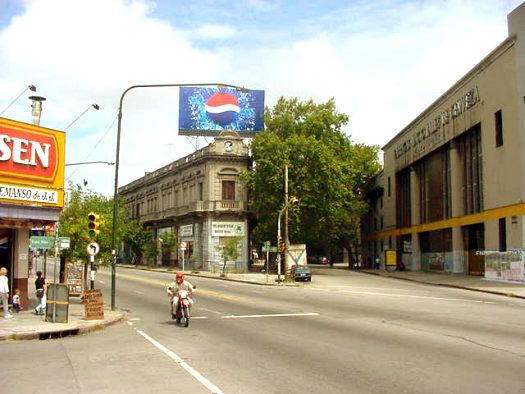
column 286, row 237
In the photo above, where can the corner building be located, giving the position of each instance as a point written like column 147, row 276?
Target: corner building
column 453, row 183
column 200, row 198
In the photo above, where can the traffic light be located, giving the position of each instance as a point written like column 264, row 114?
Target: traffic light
column 295, row 203
column 282, row 245
column 93, row 225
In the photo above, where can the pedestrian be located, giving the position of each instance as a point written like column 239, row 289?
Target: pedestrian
column 16, row 302
column 4, row 292
column 40, row 285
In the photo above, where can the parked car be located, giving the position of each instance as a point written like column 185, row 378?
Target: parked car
column 302, row 272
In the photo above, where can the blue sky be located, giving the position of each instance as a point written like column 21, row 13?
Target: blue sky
column 382, row 61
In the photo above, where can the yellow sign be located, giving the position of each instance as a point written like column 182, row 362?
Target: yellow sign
column 391, row 258
column 31, row 164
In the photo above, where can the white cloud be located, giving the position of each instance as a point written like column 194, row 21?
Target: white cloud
column 383, row 62
column 214, row 31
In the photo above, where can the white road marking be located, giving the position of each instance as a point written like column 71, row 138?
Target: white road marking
column 415, row 296
column 211, row 311
column 214, row 389
column 272, row 315
column 139, row 292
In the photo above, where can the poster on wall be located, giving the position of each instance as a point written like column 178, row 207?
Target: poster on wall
column 206, row 111
column 227, row 229
column 506, row 266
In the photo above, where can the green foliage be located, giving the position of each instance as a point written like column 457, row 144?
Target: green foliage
column 168, row 242
column 74, row 224
column 229, row 250
column 326, row 172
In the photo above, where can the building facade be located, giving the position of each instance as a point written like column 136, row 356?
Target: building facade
column 453, row 183
column 31, row 193
column 200, row 198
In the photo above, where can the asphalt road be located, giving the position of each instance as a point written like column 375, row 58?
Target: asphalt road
column 345, row 332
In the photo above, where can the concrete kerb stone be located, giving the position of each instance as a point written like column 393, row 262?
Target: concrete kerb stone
column 446, row 285
column 61, row 330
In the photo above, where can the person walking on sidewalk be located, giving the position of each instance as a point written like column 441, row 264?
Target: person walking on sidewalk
column 16, row 302
column 40, row 284
column 4, row 292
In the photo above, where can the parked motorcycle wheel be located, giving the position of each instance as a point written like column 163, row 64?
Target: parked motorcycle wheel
column 186, row 314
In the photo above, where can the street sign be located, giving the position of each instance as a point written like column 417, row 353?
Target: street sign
column 269, row 248
column 93, row 248
column 183, row 245
column 64, row 242
column 38, row 242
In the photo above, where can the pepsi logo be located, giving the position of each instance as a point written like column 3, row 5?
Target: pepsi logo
column 222, row 108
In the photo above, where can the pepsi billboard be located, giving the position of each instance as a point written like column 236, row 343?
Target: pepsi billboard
column 206, row 111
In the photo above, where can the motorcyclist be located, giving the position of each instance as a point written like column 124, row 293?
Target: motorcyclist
column 179, row 284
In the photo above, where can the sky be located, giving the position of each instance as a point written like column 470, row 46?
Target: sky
column 383, row 62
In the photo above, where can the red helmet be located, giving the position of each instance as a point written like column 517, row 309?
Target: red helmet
column 179, row 276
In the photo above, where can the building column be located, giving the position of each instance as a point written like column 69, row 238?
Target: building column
column 456, row 182
column 21, row 266
column 415, row 218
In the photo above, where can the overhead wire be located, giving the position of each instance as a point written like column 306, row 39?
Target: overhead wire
column 96, row 145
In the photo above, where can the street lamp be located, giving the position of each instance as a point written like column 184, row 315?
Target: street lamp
column 115, row 200
column 30, row 87
column 79, row 116
column 90, row 162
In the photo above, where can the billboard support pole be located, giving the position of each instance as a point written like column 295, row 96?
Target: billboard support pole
column 117, row 155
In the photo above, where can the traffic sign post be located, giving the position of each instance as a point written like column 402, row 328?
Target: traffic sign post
column 93, row 249
column 183, row 246
column 38, row 242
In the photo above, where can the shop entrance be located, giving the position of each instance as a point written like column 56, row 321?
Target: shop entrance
column 475, row 245
column 6, row 253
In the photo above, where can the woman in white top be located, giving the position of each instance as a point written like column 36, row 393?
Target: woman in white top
column 4, row 291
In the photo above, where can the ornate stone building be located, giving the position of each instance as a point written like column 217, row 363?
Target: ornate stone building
column 201, row 199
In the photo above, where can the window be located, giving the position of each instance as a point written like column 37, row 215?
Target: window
column 499, row 128
column 472, row 160
column 228, row 190
column 502, row 235
column 403, row 214
column 199, row 192
column 389, row 186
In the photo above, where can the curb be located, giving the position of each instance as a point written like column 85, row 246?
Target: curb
column 77, row 329
column 511, row 295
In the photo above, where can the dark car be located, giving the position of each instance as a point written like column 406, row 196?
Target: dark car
column 302, row 272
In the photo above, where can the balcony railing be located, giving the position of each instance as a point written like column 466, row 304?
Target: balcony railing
column 196, row 206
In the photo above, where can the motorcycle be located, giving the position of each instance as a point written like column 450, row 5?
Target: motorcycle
column 183, row 307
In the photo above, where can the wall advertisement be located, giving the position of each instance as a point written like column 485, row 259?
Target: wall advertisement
column 31, row 164
column 227, row 229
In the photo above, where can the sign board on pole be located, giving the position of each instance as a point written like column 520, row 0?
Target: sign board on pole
column 269, row 248
column 42, row 242
column 183, row 245
column 93, row 248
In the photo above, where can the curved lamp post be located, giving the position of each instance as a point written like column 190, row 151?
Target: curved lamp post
column 115, row 193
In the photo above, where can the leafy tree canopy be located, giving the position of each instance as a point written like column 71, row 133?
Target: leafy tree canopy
column 74, row 224
column 326, row 172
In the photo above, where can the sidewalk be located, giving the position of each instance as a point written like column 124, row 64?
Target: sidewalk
column 461, row 281
column 26, row 325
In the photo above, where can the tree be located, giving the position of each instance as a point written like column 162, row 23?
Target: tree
column 327, row 173
column 73, row 224
column 229, row 251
